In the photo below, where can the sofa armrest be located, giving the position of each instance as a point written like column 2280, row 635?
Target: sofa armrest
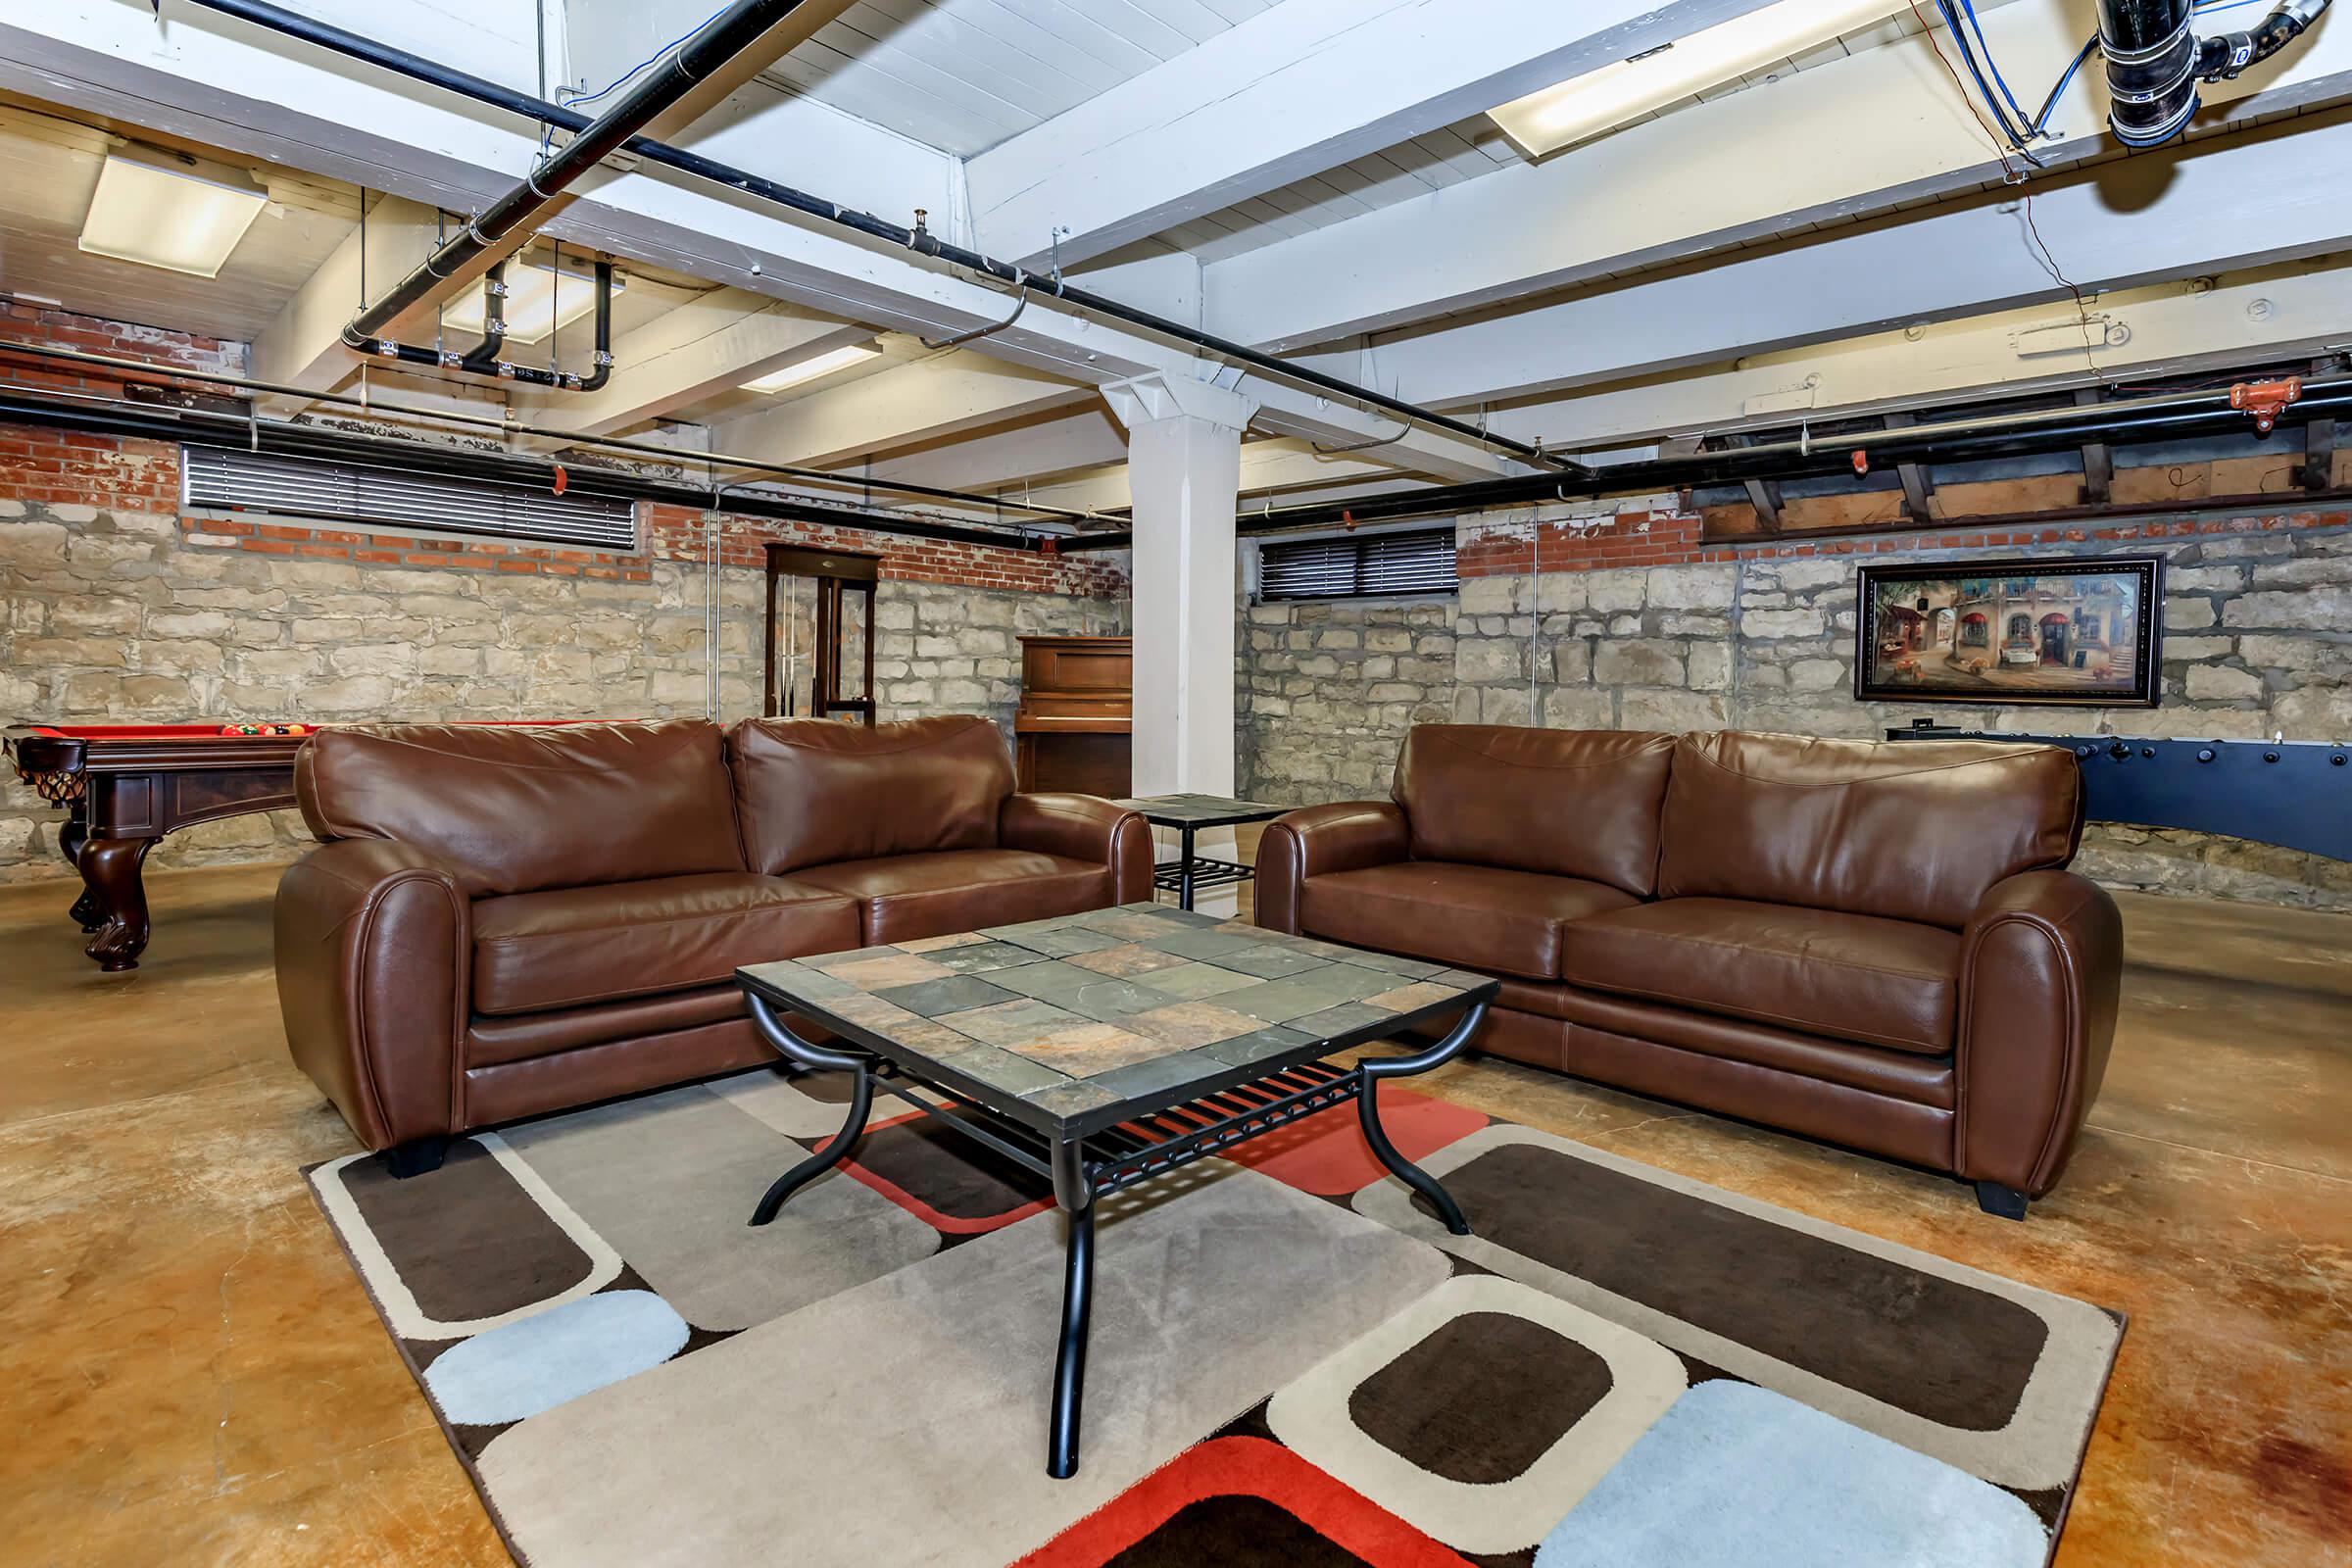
column 1083, row 827
column 1318, row 841
column 375, row 955
column 2040, row 966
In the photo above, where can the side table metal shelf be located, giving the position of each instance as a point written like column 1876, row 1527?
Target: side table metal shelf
column 1192, row 872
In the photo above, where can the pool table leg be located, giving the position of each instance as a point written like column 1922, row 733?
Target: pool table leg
column 109, row 868
column 88, row 912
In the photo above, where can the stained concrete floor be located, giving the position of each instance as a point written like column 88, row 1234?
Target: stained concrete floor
column 193, row 1376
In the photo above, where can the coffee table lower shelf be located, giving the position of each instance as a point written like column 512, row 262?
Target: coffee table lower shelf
column 1085, row 1169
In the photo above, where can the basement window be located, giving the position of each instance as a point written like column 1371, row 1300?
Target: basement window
column 1378, row 566
column 382, row 497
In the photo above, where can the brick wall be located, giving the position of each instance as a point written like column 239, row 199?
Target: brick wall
column 1634, row 622
column 119, row 608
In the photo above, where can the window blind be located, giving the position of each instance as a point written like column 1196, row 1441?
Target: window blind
column 1366, row 566
column 359, row 494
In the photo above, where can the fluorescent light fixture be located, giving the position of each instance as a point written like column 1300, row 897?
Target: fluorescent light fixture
column 159, row 211
column 539, row 300
column 810, row 369
column 1584, row 106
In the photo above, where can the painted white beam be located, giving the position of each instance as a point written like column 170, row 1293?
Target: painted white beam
column 1845, row 140
column 2159, row 332
column 303, row 346
column 1297, row 88
column 2279, row 192
column 705, row 347
column 1084, row 439
column 924, row 401
column 1268, row 468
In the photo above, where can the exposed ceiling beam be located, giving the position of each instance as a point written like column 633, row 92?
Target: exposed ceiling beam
column 876, row 414
column 303, row 346
column 2281, row 191
column 1291, row 469
column 1084, row 438
column 1300, row 88
column 2167, row 330
column 699, row 350
column 1845, row 140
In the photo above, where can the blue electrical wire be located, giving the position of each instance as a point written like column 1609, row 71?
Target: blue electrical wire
column 2051, row 102
column 650, row 60
column 1968, row 56
column 1969, row 9
column 547, row 133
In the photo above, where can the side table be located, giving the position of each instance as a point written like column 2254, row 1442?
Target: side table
column 1189, row 814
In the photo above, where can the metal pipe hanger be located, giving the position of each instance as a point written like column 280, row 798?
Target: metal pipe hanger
column 597, row 133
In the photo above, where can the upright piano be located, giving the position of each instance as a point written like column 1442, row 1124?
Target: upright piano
column 1077, row 712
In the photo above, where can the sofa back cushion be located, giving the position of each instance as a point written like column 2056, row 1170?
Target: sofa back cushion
column 1574, row 802
column 1914, row 830
column 811, row 791
column 523, row 808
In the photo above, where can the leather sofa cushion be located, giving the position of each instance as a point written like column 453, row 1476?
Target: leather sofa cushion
column 909, row 896
column 1891, row 983
column 1918, row 830
column 523, row 808
column 533, row 951
column 1479, row 917
column 1582, row 804
column 814, row 791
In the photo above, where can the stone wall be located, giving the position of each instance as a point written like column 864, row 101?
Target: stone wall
column 1688, row 635
column 120, row 617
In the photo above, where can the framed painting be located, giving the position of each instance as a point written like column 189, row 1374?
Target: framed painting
column 2083, row 632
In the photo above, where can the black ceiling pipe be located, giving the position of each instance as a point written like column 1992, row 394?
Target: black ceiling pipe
column 100, row 415
column 2175, row 416
column 685, row 67
column 482, row 357
column 277, row 19
column 2151, row 55
column 2155, row 60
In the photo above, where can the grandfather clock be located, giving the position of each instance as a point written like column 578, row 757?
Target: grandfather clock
column 837, row 573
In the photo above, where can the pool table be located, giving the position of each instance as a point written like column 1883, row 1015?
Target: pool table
column 123, row 788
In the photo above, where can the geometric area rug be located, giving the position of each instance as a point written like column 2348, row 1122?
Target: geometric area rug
column 1292, row 1362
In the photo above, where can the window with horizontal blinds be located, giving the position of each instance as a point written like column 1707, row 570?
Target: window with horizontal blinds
column 366, row 495
column 1358, row 566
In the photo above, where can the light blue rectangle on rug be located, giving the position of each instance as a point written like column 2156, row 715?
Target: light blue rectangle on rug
column 1733, row 1476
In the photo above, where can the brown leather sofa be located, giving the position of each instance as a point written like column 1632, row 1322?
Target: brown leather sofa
column 508, row 921
column 1878, row 945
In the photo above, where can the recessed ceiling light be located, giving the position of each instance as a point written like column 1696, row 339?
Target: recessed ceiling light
column 1584, row 106
column 810, row 369
column 161, row 211
column 539, row 300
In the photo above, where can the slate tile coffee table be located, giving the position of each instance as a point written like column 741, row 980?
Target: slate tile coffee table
column 1103, row 1049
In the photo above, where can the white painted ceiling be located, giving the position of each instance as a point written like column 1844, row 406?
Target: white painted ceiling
column 48, row 170
column 1447, row 157
column 964, row 75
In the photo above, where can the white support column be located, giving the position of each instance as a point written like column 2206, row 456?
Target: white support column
column 1184, row 457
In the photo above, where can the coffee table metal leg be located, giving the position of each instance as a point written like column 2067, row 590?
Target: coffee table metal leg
column 853, row 1127
column 862, row 1102
column 1184, row 875
column 1077, row 1198
column 1367, row 1106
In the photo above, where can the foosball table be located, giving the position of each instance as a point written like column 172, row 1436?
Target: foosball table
column 2295, row 794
